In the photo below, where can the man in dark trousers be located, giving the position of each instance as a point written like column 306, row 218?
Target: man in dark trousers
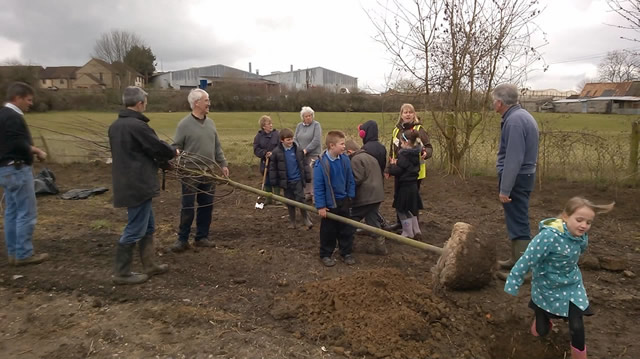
column 16, row 157
column 137, row 153
column 516, row 166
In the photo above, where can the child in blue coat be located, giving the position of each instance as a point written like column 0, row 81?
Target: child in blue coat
column 557, row 290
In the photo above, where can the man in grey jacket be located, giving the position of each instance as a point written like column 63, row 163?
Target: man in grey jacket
column 197, row 134
column 369, row 190
column 516, row 166
column 137, row 152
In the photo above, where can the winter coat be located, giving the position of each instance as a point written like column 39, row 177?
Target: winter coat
column 136, row 151
column 369, row 181
column 278, row 166
column 552, row 256
column 371, row 145
column 263, row 143
column 327, row 185
column 408, row 165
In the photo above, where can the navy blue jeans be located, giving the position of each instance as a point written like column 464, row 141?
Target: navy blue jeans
column 201, row 189
column 516, row 212
column 20, row 213
column 140, row 222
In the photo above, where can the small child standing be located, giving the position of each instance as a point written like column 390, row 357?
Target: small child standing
column 288, row 171
column 334, row 187
column 406, row 197
column 557, row 290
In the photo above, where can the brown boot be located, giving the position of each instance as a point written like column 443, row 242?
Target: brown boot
column 306, row 219
column 148, row 255
column 381, row 246
column 122, row 270
column 34, row 259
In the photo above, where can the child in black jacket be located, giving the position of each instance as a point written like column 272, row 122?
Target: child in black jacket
column 288, row 171
column 406, row 198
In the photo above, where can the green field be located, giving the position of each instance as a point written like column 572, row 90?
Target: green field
column 588, row 146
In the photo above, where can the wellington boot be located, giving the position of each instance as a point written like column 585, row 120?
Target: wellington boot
column 508, row 264
column 122, row 270
column 407, row 228
column 519, row 247
column 148, row 255
column 306, row 219
column 381, row 246
column 276, row 190
column 268, row 201
column 292, row 217
column 578, row 354
column 417, row 234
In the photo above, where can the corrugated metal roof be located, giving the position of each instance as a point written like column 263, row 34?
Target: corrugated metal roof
column 595, row 89
column 605, row 98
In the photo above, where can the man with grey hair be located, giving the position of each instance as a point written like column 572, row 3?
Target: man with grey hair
column 197, row 134
column 516, row 166
column 137, row 152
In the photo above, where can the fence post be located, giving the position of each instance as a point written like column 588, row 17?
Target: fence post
column 633, row 157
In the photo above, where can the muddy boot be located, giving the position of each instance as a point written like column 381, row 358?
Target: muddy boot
column 122, row 271
column 306, row 219
column 34, row 259
column 148, row 255
column 292, row 217
column 276, row 191
column 417, row 234
column 268, row 201
column 407, row 228
column 381, row 246
column 508, row 263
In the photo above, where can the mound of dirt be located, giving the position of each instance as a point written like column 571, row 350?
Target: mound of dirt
column 381, row 313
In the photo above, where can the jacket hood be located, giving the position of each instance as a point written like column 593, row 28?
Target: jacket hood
column 412, row 154
column 557, row 225
column 370, row 129
column 131, row 113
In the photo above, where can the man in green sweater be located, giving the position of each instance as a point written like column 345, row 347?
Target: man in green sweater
column 197, row 134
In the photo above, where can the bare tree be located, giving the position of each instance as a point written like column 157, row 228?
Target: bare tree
column 455, row 51
column 629, row 10
column 114, row 46
column 619, row 66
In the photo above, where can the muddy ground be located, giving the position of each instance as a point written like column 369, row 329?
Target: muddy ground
column 263, row 293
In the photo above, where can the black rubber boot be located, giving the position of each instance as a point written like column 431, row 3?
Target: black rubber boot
column 122, row 271
column 148, row 255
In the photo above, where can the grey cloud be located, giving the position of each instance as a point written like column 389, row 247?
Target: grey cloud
column 64, row 32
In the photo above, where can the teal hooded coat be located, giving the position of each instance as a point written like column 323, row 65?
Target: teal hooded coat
column 552, row 256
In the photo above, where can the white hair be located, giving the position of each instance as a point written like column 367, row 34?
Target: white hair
column 507, row 93
column 305, row 110
column 195, row 95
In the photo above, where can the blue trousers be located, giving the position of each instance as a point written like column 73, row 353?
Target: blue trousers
column 20, row 212
column 516, row 212
column 201, row 189
column 140, row 223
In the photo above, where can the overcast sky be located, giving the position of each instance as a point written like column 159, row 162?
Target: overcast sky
column 272, row 35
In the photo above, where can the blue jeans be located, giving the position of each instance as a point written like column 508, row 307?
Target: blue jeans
column 140, row 223
column 516, row 212
column 20, row 213
column 201, row 189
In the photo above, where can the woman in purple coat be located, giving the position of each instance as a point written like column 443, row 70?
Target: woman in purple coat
column 265, row 141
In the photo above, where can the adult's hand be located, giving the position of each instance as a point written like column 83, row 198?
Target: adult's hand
column 225, row 171
column 304, row 151
column 503, row 198
column 268, row 154
column 41, row 155
column 323, row 212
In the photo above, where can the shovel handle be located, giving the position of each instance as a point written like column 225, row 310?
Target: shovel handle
column 264, row 176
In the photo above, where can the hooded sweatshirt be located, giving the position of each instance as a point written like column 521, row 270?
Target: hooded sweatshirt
column 552, row 256
column 371, row 145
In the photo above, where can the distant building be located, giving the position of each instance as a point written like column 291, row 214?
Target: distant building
column 622, row 105
column 193, row 77
column 599, row 89
column 58, row 77
column 553, row 93
column 100, row 74
column 313, row 78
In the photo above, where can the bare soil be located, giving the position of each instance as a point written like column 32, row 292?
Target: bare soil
column 263, row 293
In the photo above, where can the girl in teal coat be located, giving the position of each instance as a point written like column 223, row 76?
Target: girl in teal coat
column 557, row 290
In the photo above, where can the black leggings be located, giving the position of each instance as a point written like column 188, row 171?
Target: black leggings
column 576, row 325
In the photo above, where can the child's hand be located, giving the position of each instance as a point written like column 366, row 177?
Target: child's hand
column 393, row 161
column 323, row 212
column 387, row 175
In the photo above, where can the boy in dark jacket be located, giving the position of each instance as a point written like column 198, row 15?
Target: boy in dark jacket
column 334, row 188
column 368, row 131
column 287, row 170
